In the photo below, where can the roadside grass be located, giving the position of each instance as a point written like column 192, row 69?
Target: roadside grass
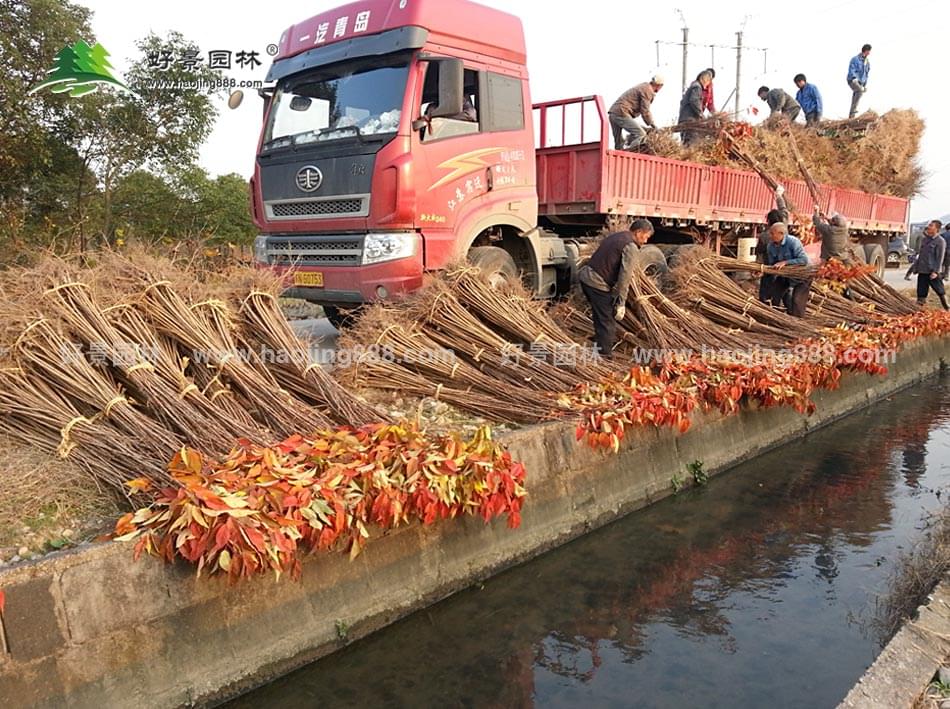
column 47, row 504
column 916, row 573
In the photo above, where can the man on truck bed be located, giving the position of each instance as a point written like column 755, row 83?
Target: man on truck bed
column 858, row 69
column 691, row 106
column 708, row 102
column 780, row 102
column 809, row 98
column 606, row 278
column 631, row 104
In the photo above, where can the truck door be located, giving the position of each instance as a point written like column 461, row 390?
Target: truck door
column 465, row 163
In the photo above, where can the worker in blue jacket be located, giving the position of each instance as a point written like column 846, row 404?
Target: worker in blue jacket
column 809, row 98
column 785, row 250
column 858, row 70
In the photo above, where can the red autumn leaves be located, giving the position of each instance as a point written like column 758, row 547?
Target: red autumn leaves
column 263, row 508
column 683, row 385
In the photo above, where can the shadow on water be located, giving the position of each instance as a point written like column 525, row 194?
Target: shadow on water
column 738, row 594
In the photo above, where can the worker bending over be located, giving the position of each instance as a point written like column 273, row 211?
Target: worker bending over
column 785, row 250
column 634, row 103
column 606, row 278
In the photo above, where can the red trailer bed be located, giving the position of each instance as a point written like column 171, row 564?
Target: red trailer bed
column 579, row 174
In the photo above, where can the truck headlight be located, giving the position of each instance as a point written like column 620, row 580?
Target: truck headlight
column 388, row 247
column 260, row 249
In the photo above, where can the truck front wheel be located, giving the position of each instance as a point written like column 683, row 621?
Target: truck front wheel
column 495, row 263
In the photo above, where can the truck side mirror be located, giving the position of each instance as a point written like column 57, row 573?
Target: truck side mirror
column 451, row 75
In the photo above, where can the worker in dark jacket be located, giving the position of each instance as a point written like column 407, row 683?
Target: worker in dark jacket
column 835, row 236
column 605, row 280
column 929, row 264
column 634, row 103
column 780, row 102
column 809, row 98
column 785, row 250
column 691, row 106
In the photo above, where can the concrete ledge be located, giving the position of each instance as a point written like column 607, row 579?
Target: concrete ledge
column 911, row 659
column 90, row 628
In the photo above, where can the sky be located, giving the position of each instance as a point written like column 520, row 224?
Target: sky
column 604, row 49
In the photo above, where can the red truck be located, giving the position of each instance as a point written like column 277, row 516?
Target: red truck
column 400, row 136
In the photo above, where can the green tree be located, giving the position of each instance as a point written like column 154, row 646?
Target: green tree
column 155, row 127
column 227, row 212
column 147, row 207
column 189, row 206
column 37, row 162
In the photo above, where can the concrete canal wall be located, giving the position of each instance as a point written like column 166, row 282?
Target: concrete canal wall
column 909, row 661
column 90, row 628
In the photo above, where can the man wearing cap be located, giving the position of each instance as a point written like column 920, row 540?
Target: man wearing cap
column 780, row 102
column 785, row 250
column 634, row 103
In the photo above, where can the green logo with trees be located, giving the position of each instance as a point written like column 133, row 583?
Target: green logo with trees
column 79, row 70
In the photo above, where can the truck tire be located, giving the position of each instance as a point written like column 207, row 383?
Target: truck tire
column 653, row 261
column 674, row 252
column 874, row 256
column 495, row 263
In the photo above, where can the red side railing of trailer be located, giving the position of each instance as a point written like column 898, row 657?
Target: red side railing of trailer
column 578, row 173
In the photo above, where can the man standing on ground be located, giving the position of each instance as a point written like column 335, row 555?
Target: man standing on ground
column 634, row 103
column 774, row 216
column 780, row 102
column 858, row 70
column 691, row 106
column 785, row 250
column 929, row 264
column 606, row 278
column 809, row 98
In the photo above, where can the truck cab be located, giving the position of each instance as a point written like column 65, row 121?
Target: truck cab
column 397, row 140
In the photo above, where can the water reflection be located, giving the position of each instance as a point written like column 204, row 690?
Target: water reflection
column 738, row 594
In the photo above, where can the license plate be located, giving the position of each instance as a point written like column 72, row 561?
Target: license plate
column 313, row 279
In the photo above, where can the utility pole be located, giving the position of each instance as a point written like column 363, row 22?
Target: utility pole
column 738, row 68
column 685, row 47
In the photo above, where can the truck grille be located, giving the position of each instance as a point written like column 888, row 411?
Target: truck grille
column 333, row 251
column 350, row 206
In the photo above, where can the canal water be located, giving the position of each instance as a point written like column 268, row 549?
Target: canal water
column 753, row 591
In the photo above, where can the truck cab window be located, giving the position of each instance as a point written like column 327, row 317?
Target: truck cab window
column 464, row 123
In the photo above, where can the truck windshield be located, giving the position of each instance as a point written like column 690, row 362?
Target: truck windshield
column 351, row 100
